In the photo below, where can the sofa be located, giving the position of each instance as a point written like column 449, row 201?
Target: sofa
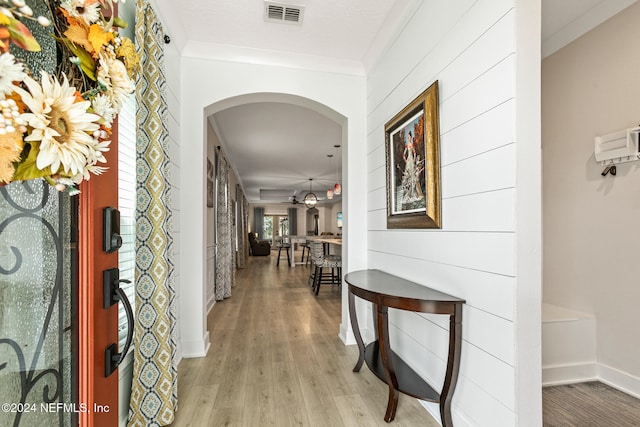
column 259, row 247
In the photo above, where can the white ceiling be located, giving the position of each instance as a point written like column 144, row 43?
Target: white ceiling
column 276, row 146
column 563, row 21
column 329, row 28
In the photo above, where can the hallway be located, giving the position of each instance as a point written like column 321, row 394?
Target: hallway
column 276, row 360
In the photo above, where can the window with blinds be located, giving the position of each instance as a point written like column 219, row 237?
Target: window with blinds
column 127, row 207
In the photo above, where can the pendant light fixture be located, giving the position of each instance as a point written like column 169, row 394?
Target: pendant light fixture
column 330, row 190
column 310, row 199
column 337, row 189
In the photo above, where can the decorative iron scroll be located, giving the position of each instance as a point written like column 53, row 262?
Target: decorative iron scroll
column 36, row 336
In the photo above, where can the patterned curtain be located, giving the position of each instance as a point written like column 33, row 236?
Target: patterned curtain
column 258, row 222
column 240, row 224
column 154, row 394
column 245, row 220
column 292, row 213
column 233, row 234
column 225, row 253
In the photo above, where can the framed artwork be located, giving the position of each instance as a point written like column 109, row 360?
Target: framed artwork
column 210, row 178
column 412, row 142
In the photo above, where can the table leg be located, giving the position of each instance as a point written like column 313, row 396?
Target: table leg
column 356, row 331
column 453, row 366
column 385, row 354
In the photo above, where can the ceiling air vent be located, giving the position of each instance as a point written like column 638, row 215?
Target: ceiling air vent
column 283, row 13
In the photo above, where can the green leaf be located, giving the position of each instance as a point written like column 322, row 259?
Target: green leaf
column 120, row 23
column 27, row 168
column 87, row 63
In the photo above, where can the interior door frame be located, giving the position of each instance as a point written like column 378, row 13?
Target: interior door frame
column 97, row 326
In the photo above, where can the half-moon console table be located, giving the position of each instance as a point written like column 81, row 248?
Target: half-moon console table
column 385, row 290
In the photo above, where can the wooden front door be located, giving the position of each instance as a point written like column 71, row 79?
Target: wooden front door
column 98, row 327
column 53, row 327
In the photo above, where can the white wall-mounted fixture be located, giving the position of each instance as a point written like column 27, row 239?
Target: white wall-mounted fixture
column 618, row 147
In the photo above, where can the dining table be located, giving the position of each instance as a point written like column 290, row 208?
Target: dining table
column 296, row 240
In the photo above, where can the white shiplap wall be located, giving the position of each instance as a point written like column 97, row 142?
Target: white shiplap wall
column 172, row 69
column 470, row 48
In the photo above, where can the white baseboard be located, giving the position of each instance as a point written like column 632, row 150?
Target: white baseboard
column 346, row 335
column 434, row 410
column 199, row 348
column 578, row 373
column 622, row 381
column 569, row 374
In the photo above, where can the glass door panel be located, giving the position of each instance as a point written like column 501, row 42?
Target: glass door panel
column 268, row 227
column 284, row 226
column 38, row 281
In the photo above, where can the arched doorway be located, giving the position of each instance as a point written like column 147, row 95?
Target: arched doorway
column 313, row 221
column 211, row 86
column 214, row 137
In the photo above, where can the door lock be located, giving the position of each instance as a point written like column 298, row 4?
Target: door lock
column 111, row 239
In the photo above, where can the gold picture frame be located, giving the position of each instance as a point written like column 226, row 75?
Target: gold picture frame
column 412, row 143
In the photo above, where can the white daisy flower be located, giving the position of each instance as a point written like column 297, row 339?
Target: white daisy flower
column 60, row 123
column 10, row 71
column 102, row 106
column 112, row 74
column 85, row 175
column 96, row 154
column 89, row 13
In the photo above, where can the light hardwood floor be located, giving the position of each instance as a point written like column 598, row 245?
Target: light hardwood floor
column 276, row 360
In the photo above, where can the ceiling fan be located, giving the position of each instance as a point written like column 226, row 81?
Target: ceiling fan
column 294, row 201
column 294, row 193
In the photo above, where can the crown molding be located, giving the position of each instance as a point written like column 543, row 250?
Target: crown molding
column 212, row 51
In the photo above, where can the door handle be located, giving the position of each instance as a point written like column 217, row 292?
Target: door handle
column 113, row 294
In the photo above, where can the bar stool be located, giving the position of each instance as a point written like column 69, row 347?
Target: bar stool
column 282, row 244
column 319, row 262
column 305, row 247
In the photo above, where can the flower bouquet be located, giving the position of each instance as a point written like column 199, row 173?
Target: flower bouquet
column 59, row 127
